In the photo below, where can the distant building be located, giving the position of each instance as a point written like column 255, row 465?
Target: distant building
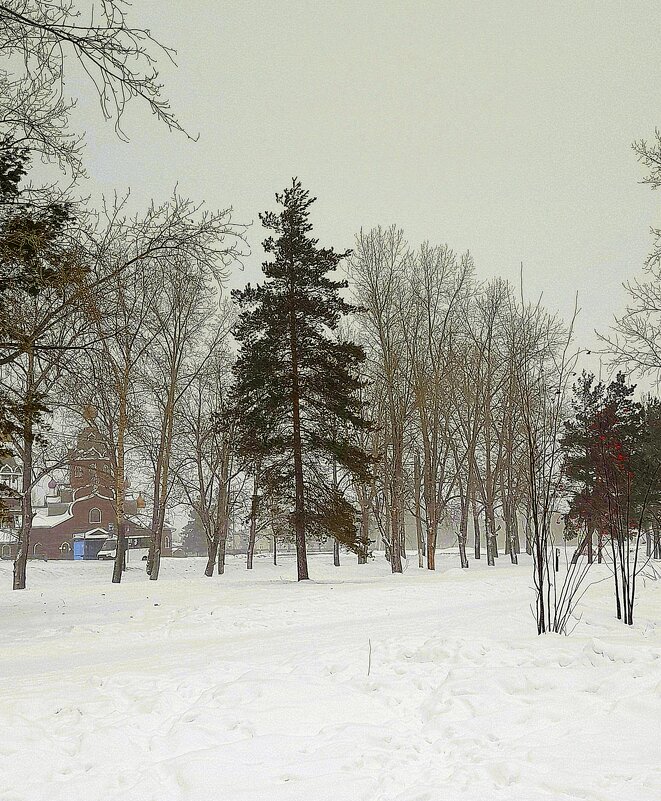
column 10, row 505
column 79, row 516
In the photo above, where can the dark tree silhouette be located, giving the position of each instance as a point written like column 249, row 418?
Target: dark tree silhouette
column 297, row 382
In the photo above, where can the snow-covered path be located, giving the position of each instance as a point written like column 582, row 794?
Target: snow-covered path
column 256, row 688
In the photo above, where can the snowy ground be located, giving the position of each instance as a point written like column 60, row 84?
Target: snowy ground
column 252, row 687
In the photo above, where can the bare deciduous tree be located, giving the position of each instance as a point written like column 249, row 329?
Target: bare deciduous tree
column 120, row 60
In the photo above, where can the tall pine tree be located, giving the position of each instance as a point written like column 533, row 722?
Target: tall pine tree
column 297, row 381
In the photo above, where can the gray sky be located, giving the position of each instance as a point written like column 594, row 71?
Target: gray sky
column 499, row 127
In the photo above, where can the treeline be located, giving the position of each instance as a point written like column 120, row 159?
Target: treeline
column 408, row 393
column 450, row 362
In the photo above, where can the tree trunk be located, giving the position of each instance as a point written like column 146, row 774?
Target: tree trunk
column 162, row 473
column 462, row 548
column 336, row 542
column 158, row 518
column 20, row 563
column 212, row 552
column 222, row 547
column 120, row 553
column 223, row 515
column 505, row 502
column 252, row 536
column 618, row 606
column 431, row 510
column 151, row 556
column 508, row 516
column 418, row 510
column 510, row 539
column 528, row 531
column 582, row 547
column 487, row 485
column 431, row 556
column 463, row 533
column 396, row 503
column 364, row 533
column 395, row 534
column 490, row 539
column 299, row 510
column 462, row 536
column 476, row 528
column 517, row 539
column 397, row 508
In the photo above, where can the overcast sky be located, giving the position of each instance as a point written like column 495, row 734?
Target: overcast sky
column 504, row 128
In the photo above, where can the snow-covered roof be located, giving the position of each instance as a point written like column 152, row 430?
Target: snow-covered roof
column 42, row 519
column 93, row 494
column 93, row 534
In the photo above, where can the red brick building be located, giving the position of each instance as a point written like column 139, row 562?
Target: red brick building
column 79, row 516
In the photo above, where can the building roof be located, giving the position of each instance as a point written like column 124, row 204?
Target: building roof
column 97, row 533
column 90, row 443
column 42, row 519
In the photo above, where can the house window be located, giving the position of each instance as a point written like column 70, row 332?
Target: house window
column 78, row 471
column 167, row 542
column 95, row 515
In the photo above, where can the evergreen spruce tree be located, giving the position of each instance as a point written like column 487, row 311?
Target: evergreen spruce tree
column 193, row 539
column 297, row 381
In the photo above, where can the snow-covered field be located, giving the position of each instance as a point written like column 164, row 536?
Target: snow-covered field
column 252, row 687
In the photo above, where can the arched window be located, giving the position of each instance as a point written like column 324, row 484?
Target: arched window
column 166, row 542
column 95, row 515
column 36, row 547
